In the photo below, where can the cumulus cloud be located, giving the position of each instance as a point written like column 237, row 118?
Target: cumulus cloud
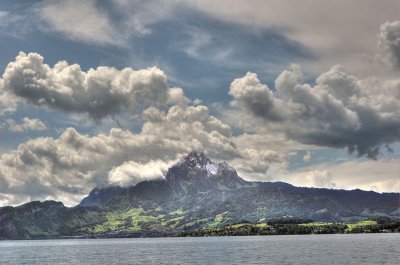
column 130, row 172
column 8, row 102
column 33, row 124
column 99, row 92
column 26, row 125
column 193, row 128
column 13, row 126
column 263, row 155
column 68, row 167
column 250, row 94
column 254, row 163
column 389, row 42
column 339, row 111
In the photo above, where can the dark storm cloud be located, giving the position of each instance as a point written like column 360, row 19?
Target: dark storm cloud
column 250, row 94
column 339, row 111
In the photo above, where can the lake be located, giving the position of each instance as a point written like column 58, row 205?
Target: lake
column 308, row 249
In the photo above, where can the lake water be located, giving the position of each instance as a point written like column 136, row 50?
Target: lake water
column 309, row 249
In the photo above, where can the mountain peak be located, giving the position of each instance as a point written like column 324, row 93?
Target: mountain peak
column 196, row 172
column 225, row 167
column 194, row 159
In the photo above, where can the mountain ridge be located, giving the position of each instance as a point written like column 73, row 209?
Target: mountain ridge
column 196, row 193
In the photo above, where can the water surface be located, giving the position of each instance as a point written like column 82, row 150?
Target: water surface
column 308, row 249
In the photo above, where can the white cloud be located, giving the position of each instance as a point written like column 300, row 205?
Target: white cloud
column 381, row 175
column 33, row 124
column 339, row 111
column 325, row 27
column 8, row 102
column 307, row 157
column 130, row 172
column 389, row 42
column 176, row 96
column 81, row 21
column 13, row 126
column 264, row 154
column 90, row 22
column 254, row 164
column 100, row 92
column 68, row 167
column 26, row 125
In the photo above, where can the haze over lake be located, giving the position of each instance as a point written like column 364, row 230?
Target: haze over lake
column 315, row 249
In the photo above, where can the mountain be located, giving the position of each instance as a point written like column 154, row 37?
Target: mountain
column 196, row 193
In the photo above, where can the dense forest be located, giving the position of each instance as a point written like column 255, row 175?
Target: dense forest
column 298, row 226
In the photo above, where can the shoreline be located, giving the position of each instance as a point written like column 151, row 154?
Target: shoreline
column 160, row 237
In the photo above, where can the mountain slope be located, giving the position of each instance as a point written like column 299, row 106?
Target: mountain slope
column 196, row 193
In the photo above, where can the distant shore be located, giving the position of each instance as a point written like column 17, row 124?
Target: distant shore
column 249, row 229
column 254, row 229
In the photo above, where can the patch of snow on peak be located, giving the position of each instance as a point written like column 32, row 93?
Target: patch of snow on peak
column 212, row 168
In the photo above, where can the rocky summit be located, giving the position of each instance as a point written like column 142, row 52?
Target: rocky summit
column 196, row 193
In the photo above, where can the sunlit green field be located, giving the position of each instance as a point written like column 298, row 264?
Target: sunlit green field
column 350, row 226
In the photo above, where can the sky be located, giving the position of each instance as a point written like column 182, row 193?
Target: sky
column 102, row 93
